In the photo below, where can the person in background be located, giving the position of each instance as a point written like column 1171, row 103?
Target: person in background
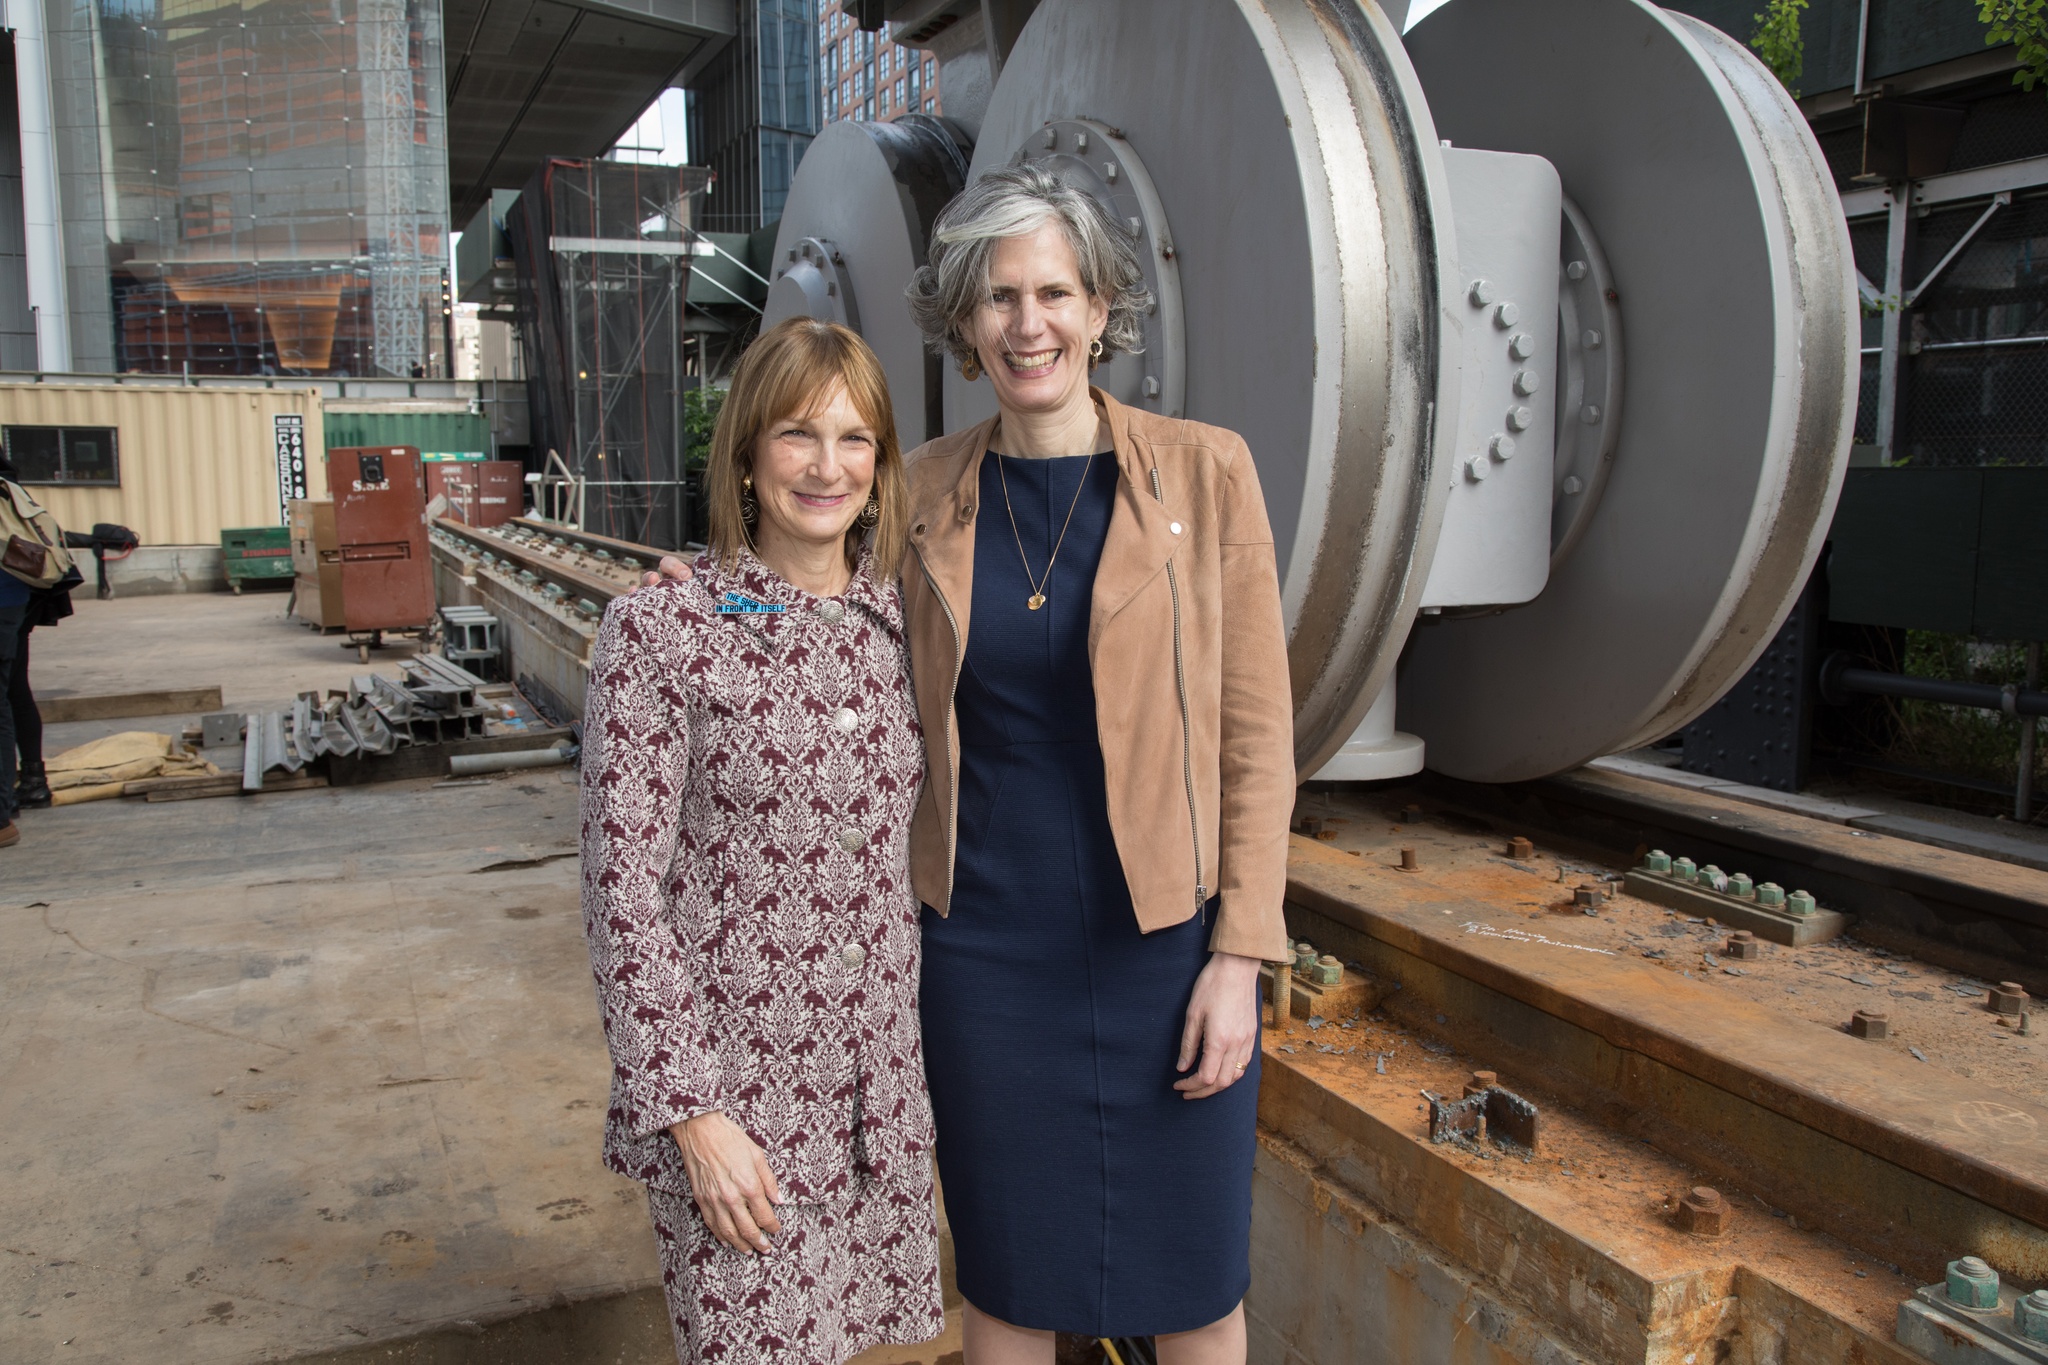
column 18, row 710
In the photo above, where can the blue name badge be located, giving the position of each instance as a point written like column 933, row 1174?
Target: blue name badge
column 739, row 604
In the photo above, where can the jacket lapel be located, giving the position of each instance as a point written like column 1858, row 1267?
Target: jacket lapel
column 1141, row 537
column 942, row 523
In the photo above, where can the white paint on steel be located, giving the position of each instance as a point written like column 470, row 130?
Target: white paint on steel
column 41, row 211
column 1495, row 544
column 1294, row 157
column 1376, row 751
column 1720, row 223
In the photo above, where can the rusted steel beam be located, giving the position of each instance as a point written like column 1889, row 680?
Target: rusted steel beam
column 1972, row 904
column 1882, row 1149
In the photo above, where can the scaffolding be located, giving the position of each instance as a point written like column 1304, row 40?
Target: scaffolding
column 603, row 252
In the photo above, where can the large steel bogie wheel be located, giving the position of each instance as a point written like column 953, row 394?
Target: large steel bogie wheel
column 1293, row 177
column 1730, row 268
column 853, row 232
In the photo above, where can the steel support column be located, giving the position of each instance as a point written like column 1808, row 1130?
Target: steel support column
column 1891, row 345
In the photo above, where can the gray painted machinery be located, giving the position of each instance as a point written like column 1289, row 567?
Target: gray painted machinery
column 1540, row 323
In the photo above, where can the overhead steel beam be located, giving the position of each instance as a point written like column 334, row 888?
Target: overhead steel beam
column 1951, row 187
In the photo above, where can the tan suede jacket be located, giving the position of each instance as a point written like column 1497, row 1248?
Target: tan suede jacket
column 1190, row 658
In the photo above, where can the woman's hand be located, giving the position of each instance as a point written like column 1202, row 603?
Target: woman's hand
column 1222, row 1027
column 729, row 1175
column 671, row 567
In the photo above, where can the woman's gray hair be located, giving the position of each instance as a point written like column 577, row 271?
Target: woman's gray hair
column 1013, row 201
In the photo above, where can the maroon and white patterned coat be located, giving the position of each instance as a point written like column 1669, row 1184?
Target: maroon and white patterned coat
column 748, row 785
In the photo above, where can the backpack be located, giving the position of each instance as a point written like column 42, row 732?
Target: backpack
column 31, row 545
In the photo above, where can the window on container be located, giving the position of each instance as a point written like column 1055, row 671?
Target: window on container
column 64, row 455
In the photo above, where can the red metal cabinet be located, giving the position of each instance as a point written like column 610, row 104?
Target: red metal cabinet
column 380, row 527
column 480, row 493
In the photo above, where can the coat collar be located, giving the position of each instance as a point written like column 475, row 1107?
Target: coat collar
column 1141, row 535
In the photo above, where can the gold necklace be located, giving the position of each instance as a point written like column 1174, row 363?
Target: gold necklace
column 1037, row 598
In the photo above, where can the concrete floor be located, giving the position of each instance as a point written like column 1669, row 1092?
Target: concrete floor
column 307, row 1075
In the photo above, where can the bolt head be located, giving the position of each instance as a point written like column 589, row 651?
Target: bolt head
column 1575, row 271
column 1590, row 414
column 1477, row 468
column 1703, row 1212
column 1481, row 293
column 2030, row 1315
column 1507, row 314
column 1521, row 346
column 1972, row 1283
column 1870, row 1024
column 1519, row 419
column 1591, row 340
column 1527, row 382
column 1502, row 446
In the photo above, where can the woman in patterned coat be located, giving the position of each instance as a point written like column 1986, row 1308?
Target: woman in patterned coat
column 752, row 758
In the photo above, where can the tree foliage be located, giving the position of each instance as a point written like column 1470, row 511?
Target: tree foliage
column 1778, row 42
column 2024, row 24
column 700, row 418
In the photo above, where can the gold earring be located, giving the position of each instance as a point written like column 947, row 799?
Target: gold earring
column 749, row 509
column 1094, row 353
column 871, row 513
column 970, row 368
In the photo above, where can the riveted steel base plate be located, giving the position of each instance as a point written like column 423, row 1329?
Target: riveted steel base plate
column 1293, row 157
column 1718, row 219
column 857, row 218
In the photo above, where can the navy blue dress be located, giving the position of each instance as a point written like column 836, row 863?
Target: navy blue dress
column 1085, row 1195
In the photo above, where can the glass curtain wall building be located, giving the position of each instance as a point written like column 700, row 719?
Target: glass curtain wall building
column 754, row 110
column 252, row 186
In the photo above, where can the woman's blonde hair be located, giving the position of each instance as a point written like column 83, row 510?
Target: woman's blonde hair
column 791, row 370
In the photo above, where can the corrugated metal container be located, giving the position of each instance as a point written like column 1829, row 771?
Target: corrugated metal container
column 439, row 430
column 192, row 462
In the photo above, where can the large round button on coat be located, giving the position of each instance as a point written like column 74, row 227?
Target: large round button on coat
column 832, row 613
column 852, row 955
column 845, row 719
column 851, row 840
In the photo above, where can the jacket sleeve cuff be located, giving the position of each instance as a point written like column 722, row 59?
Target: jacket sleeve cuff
column 657, row 1116
column 1262, row 936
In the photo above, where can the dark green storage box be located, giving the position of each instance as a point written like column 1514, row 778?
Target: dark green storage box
column 248, row 552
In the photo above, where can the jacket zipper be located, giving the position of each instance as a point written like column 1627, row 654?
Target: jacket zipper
column 953, row 782
column 1187, row 740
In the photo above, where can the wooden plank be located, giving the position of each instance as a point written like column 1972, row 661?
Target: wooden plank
column 171, row 701
column 230, row 784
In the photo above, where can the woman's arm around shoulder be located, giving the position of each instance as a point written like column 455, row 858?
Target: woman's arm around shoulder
column 634, row 766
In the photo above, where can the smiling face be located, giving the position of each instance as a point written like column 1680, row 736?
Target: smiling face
column 812, row 472
column 1033, row 330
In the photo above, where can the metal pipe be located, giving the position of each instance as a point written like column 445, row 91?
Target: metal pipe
column 474, row 765
column 1981, row 344
column 1840, row 674
column 41, row 204
column 2023, row 789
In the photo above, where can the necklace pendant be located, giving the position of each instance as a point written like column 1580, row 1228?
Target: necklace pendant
column 1036, row 601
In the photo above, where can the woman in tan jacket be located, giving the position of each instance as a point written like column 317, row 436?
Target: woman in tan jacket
column 1100, row 849
column 1101, row 672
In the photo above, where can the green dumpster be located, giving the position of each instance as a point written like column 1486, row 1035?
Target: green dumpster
column 248, row 552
